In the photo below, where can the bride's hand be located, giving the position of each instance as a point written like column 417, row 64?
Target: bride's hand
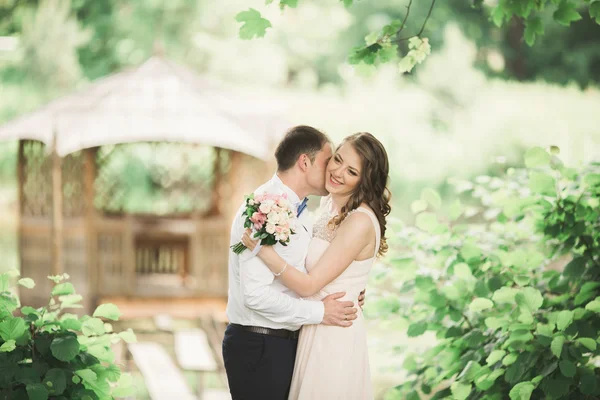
column 248, row 241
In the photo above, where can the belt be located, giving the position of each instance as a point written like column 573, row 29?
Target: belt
column 283, row 333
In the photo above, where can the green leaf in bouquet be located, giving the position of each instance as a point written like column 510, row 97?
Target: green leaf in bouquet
column 460, row 391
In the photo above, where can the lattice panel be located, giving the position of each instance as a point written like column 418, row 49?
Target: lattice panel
column 153, row 257
column 37, row 180
column 155, row 178
column 72, row 185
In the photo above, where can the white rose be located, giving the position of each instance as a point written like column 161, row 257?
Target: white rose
column 277, row 237
column 283, row 237
column 265, row 207
column 273, row 218
column 270, row 228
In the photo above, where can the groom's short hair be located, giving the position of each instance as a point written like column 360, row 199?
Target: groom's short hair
column 301, row 139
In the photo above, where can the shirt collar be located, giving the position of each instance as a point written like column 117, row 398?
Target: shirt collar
column 292, row 196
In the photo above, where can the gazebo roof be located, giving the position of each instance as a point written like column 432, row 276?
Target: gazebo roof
column 156, row 101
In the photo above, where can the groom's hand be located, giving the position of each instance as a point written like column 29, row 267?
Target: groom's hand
column 338, row 313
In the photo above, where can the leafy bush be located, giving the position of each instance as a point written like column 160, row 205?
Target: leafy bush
column 47, row 353
column 510, row 321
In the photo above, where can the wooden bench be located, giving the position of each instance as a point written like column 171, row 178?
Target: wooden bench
column 163, row 379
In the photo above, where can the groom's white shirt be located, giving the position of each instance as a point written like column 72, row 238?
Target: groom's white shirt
column 256, row 297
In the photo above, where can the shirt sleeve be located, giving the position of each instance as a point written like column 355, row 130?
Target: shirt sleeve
column 256, row 280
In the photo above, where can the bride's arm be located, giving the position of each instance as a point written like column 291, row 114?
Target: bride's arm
column 352, row 237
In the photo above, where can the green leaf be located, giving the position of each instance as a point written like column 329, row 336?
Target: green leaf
column 58, row 380
column 288, row 3
column 427, row 222
column 480, row 304
column 347, row 3
column 521, row 391
column 254, row 25
column 565, row 318
column 567, row 368
column 557, row 345
column 505, row 295
column 542, row 183
column 93, row 326
column 589, row 383
column 566, row 13
column 418, row 206
column 12, row 329
column 417, row 329
column 533, row 28
column 510, row 359
column 8, row 346
column 113, row 373
column 65, row 348
column 463, row 271
column 456, row 210
column 128, row 336
column 589, row 286
column 109, row 311
column 494, row 323
column 63, row 289
column 431, row 197
column 37, row 391
column 460, row 391
column 576, row 267
column 588, row 342
column 593, row 306
column 28, row 310
column 27, row 282
column 470, row 252
column 495, row 356
column 87, row 375
column 592, row 180
column 530, row 298
column 497, row 16
column 536, row 156
column 595, row 11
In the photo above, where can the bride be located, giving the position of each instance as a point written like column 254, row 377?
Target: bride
column 332, row 362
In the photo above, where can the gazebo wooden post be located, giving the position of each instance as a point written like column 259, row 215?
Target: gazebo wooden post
column 57, row 210
column 21, row 196
column 89, row 179
column 216, row 206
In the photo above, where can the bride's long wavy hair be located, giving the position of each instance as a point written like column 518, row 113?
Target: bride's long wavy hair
column 372, row 186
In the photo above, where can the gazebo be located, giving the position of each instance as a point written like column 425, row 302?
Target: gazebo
column 63, row 224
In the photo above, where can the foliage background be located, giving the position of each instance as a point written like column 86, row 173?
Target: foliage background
column 470, row 110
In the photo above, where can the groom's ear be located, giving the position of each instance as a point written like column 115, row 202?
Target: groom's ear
column 303, row 162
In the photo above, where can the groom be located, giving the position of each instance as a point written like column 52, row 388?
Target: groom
column 259, row 348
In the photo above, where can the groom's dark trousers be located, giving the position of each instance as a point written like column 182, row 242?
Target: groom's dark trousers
column 259, row 366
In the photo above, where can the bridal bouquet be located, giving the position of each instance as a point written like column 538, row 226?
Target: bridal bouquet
column 272, row 218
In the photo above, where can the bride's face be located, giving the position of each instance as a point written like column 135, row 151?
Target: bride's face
column 343, row 171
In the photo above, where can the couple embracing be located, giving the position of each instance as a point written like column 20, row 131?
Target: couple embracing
column 316, row 282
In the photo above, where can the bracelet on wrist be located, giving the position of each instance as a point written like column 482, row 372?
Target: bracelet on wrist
column 281, row 272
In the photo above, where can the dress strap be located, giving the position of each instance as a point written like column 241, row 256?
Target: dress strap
column 375, row 221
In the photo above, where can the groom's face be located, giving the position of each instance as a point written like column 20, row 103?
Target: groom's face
column 315, row 174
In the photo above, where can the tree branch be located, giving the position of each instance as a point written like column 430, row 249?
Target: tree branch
column 422, row 26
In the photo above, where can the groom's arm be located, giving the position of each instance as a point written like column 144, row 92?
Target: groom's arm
column 256, row 280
